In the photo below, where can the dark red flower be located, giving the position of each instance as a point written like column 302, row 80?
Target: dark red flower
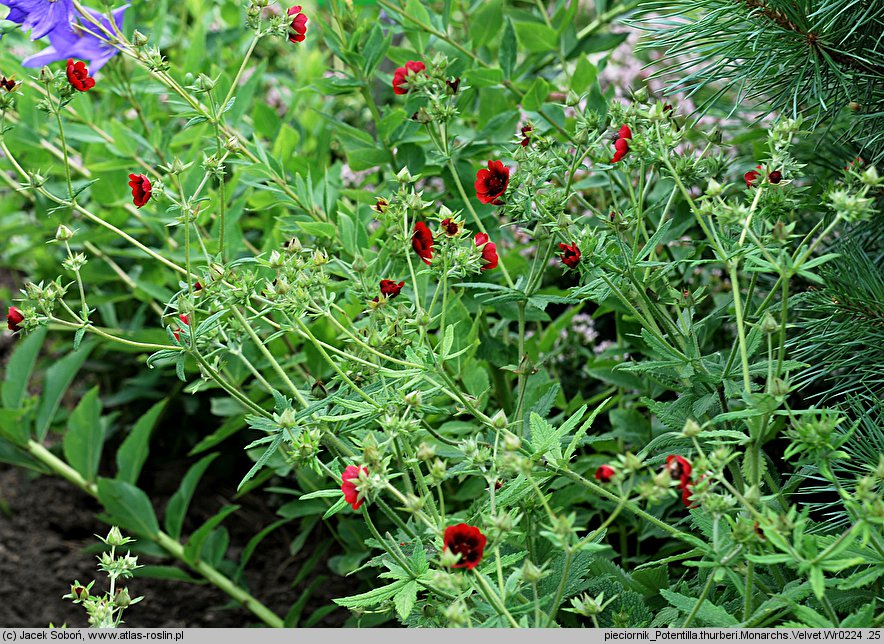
column 605, row 473
column 197, row 286
column 299, row 24
column 185, row 321
column 452, row 86
column 141, row 189
column 526, row 136
column 401, row 74
column 466, row 541
column 450, row 226
column 492, row 183
column 679, row 467
column 667, row 108
column 489, row 251
column 13, row 318
column 7, row 83
column 498, row 484
column 78, row 76
column 380, row 206
column 422, row 242
column 570, row 255
column 621, row 143
column 775, row 177
column 348, row 485
column 390, row 288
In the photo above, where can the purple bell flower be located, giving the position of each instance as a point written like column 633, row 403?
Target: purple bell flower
column 73, row 40
column 39, row 16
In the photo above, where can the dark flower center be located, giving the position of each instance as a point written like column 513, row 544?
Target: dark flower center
column 466, row 547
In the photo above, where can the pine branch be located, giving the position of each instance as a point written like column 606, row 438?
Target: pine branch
column 814, row 41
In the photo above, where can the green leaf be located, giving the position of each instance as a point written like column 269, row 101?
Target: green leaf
column 176, row 508
column 417, row 35
column 375, row 48
column 128, row 506
column 572, row 447
column 19, row 368
column 133, row 452
column 584, row 74
column 169, row 573
column 58, row 378
column 405, row 599
column 536, row 95
column 372, row 597
column 85, row 436
column 194, row 547
column 708, row 613
column 537, row 37
column 508, row 50
column 485, row 23
column 482, row 77
column 337, row 507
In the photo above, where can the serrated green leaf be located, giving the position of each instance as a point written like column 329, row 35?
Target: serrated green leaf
column 405, row 599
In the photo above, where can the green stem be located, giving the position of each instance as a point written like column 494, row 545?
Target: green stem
column 709, row 581
column 560, row 591
column 170, row 545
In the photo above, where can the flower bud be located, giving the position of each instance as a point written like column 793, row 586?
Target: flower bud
column 531, row 573
column 79, row 593
column 115, row 537
column 139, row 39
column 275, row 259
column 287, row 419
column 404, row 176
column 779, row 387
column 870, row 177
column 691, row 428
column 413, row 399
column 713, row 188
column 499, row 421
column 413, row 503
column 122, row 599
column 45, row 75
column 438, row 470
column 204, row 83
column 426, row 452
column 63, row 233
column 769, row 325
column 511, row 442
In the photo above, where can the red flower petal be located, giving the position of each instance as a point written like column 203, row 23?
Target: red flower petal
column 466, row 541
column 422, row 242
column 78, row 76
column 570, row 255
column 13, row 318
column 141, row 189
column 401, row 73
column 492, row 183
column 605, row 473
column 390, row 288
column 489, row 251
column 348, row 485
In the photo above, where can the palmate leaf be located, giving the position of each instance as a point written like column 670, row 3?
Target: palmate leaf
column 708, row 613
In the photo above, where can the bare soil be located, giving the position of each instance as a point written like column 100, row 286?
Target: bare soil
column 46, row 526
